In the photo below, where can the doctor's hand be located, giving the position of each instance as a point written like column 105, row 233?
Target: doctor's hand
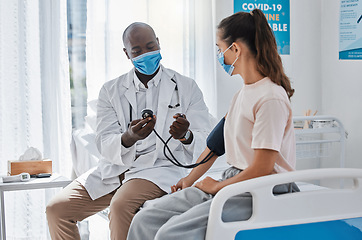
column 179, row 127
column 138, row 129
column 208, row 185
column 182, row 184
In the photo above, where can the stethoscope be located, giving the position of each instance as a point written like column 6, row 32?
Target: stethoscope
column 145, row 113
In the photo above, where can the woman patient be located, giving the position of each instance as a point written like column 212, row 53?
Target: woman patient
column 258, row 136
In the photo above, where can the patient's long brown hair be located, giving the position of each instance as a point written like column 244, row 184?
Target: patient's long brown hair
column 253, row 29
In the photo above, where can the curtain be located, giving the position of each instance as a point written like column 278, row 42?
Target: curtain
column 34, row 102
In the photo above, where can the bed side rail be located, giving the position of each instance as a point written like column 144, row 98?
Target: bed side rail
column 288, row 209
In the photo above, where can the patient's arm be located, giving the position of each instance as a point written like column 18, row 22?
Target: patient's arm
column 196, row 173
column 263, row 164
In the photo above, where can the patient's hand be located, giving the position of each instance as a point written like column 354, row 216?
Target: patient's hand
column 182, row 184
column 208, row 185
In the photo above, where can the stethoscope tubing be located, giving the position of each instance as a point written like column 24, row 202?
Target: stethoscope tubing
column 174, row 160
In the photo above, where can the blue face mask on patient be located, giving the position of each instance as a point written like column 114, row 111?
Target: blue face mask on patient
column 147, row 63
column 228, row 68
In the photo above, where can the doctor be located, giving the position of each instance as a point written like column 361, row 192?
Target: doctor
column 133, row 168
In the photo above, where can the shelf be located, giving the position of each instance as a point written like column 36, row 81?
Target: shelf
column 317, row 143
column 317, row 130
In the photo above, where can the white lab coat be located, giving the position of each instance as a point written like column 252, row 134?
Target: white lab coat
column 113, row 117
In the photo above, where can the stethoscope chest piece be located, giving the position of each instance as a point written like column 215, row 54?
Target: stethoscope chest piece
column 145, row 113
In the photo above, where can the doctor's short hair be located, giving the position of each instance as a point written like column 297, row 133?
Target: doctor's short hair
column 253, row 30
column 132, row 26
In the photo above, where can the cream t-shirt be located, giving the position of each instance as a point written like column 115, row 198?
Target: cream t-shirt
column 260, row 117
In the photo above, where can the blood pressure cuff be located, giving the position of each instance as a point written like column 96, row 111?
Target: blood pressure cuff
column 215, row 140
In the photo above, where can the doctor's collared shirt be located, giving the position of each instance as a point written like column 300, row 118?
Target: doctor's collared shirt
column 147, row 98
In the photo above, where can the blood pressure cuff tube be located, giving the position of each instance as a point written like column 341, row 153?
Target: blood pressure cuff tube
column 215, row 140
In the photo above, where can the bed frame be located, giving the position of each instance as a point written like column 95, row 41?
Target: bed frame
column 323, row 213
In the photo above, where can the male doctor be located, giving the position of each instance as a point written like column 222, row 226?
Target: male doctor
column 133, row 168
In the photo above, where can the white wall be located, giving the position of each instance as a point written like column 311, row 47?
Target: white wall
column 341, row 83
column 303, row 64
column 321, row 81
column 226, row 86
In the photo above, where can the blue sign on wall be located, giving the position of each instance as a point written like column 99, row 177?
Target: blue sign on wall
column 277, row 13
column 350, row 29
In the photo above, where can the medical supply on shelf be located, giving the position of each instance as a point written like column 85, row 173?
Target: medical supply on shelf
column 316, row 141
column 31, row 162
column 22, row 177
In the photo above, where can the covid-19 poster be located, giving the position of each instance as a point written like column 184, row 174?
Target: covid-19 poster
column 277, row 13
column 350, row 29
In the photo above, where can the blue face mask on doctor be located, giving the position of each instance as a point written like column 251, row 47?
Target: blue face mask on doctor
column 228, row 68
column 147, row 63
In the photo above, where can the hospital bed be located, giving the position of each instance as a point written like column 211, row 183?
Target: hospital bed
column 317, row 213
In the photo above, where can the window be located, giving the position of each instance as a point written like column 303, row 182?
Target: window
column 77, row 23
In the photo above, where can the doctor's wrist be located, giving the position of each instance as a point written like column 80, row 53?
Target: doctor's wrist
column 126, row 140
column 187, row 139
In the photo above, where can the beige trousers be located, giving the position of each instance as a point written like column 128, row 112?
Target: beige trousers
column 74, row 204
